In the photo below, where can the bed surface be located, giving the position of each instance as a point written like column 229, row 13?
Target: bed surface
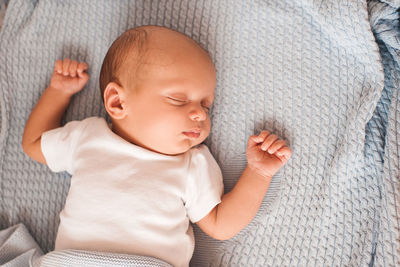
column 323, row 75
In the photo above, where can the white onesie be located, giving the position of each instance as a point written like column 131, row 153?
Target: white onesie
column 127, row 199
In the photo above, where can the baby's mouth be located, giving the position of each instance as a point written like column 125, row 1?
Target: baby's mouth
column 193, row 133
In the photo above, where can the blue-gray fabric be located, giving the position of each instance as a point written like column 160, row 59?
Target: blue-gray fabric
column 382, row 148
column 323, row 75
column 19, row 249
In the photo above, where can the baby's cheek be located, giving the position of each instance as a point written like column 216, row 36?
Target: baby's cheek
column 207, row 128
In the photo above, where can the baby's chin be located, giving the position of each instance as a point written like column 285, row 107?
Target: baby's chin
column 183, row 147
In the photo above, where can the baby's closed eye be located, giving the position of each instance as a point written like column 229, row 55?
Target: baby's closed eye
column 176, row 101
column 181, row 102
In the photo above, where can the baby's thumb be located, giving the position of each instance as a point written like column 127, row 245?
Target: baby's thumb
column 83, row 75
column 83, row 78
column 253, row 141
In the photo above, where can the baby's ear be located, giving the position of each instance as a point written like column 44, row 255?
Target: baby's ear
column 114, row 101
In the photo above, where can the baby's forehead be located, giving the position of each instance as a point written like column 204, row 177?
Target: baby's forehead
column 159, row 49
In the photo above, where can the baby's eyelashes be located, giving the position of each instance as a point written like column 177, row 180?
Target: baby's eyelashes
column 177, row 100
column 181, row 102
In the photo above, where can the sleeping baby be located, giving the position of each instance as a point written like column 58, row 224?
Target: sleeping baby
column 138, row 182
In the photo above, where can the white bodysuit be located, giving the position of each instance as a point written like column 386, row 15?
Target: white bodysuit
column 127, row 199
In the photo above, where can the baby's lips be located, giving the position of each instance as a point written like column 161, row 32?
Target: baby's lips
column 192, row 134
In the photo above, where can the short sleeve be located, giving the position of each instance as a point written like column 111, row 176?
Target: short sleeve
column 58, row 145
column 204, row 185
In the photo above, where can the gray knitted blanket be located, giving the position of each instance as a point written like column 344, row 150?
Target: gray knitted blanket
column 322, row 74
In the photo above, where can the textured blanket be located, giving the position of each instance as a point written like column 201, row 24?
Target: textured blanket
column 18, row 249
column 322, row 74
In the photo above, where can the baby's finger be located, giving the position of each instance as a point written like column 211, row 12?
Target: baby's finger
column 72, row 68
column 58, row 66
column 268, row 141
column 66, row 63
column 256, row 139
column 276, row 146
column 285, row 152
column 82, row 66
column 261, row 137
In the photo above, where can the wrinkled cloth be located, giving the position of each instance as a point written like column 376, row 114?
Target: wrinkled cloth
column 18, row 249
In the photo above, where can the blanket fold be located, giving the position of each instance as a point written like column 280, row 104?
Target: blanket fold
column 19, row 249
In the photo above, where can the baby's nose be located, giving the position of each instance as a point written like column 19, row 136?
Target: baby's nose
column 198, row 114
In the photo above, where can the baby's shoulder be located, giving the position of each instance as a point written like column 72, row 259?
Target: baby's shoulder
column 94, row 124
column 203, row 163
column 91, row 126
column 201, row 153
column 94, row 120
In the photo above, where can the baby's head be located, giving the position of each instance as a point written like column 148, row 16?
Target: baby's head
column 157, row 85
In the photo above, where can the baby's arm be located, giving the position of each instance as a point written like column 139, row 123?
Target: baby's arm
column 69, row 77
column 266, row 154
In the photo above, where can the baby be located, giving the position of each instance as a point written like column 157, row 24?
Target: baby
column 137, row 182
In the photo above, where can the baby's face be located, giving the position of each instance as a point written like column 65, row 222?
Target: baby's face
column 168, row 110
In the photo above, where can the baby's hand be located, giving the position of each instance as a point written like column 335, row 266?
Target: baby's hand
column 266, row 153
column 69, row 76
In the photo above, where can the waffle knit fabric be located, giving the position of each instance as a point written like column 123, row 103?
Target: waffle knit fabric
column 310, row 71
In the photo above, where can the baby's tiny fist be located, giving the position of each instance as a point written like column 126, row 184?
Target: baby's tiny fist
column 69, row 76
column 268, row 155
